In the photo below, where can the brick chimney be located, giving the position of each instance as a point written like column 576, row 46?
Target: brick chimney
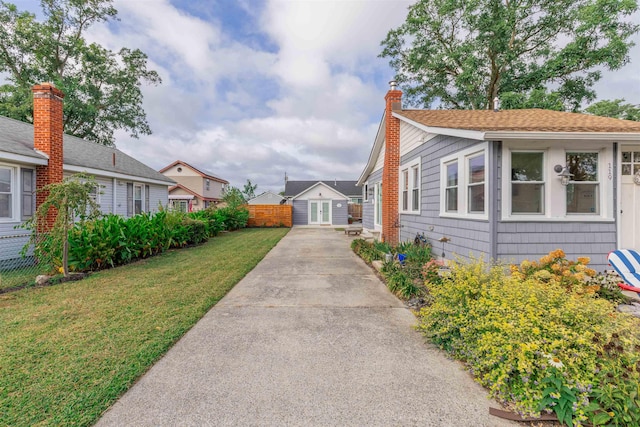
column 47, row 137
column 390, row 217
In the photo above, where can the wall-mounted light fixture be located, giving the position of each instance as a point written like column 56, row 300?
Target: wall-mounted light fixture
column 564, row 174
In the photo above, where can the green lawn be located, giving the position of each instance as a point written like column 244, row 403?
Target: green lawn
column 68, row 351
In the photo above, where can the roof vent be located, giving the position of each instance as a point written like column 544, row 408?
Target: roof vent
column 393, row 85
column 496, row 104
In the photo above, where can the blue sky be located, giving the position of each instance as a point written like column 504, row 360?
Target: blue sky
column 253, row 89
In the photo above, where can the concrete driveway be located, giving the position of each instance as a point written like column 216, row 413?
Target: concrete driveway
column 310, row 337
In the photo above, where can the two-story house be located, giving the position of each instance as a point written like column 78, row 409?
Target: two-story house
column 196, row 189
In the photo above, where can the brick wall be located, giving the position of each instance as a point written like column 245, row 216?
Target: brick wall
column 47, row 137
column 390, row 218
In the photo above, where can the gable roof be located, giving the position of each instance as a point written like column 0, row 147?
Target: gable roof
column 527, row 120
column 489, row 125
column 16, row 138
column 348, row 188
column 266, row 193
column 201, row 172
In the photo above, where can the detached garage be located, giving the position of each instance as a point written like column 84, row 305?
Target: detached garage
column 319, row 203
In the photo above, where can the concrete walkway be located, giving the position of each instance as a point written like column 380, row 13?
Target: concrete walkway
column 309, row 337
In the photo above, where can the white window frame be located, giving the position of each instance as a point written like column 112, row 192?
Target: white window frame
column 142, row 198
column 544, row 182
column 555, row 192
column 463, row 157
column 15, row 201
column 406, row 183
column 377, row 205
column 598, row 183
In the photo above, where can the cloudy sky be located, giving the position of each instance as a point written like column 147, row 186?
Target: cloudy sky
column 256, row 88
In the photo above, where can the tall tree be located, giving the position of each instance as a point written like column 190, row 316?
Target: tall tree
column 464, row 53
column 102, row 88
column 617, row 109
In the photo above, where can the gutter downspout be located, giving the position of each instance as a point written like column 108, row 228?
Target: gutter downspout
column 115, row 186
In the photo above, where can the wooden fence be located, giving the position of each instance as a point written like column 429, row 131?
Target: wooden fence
column 355, row 210
column 270, row 215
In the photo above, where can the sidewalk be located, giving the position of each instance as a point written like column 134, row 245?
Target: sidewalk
column 309, row 337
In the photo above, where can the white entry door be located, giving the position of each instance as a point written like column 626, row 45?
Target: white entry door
column 320, row 212
column 630, row 198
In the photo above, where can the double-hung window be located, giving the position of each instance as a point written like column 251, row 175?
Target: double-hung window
column 415, row 188
column 410, row 187
column 463, row 183
column 527, row 183
column 476, row 185
column 583, row 191
column 451, row 187
column 405, row 190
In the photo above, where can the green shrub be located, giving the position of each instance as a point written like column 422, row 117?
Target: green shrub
column 196, row 230
column 366, row 250
column 522, row 336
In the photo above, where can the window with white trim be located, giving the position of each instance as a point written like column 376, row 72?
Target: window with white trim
column 6, row 192
column 365, row 189
column 463, row 186
column 415, row 188
column 451, row 187
column 583, row 191
column 410, row 187
column 405, row 190
column 137, row 199
column 527, row 182
column 475, row 186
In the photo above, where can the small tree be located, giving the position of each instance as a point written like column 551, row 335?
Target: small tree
column 233, row 197
column 249, row 190
column 70, row 201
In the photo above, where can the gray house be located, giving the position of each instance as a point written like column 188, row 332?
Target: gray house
column 267, row 198
column 32, row 156
column 321, row 202
column 509, row 185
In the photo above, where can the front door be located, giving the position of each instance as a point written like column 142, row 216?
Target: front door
column 320, row 212
column 630, row 198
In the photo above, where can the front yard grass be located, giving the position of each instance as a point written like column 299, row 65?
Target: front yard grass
column 67, row 352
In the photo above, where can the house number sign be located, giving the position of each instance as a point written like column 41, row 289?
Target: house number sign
column 610, row 175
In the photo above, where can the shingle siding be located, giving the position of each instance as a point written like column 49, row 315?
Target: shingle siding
column 531, row 240
column 468, row 237
column 300, row 212
column 368, row 206
column 339, row 215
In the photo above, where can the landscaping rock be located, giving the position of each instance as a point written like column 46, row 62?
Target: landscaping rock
column 632, row 309
column 42, row 279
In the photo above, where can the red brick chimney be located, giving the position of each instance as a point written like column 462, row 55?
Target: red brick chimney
column 390, row 217
column 47, row 137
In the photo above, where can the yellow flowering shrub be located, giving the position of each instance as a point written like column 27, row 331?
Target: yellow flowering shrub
column 517, row 333
column 556, row 268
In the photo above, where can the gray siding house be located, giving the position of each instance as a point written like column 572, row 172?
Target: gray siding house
column 320, row 202
column 32, row 156
column 267, row 198
column 508, row 185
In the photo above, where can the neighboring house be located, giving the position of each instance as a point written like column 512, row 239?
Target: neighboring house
column 197, row 189
column 509, row 185
column 321, row 202
column 267, row 198
column 32, row 156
